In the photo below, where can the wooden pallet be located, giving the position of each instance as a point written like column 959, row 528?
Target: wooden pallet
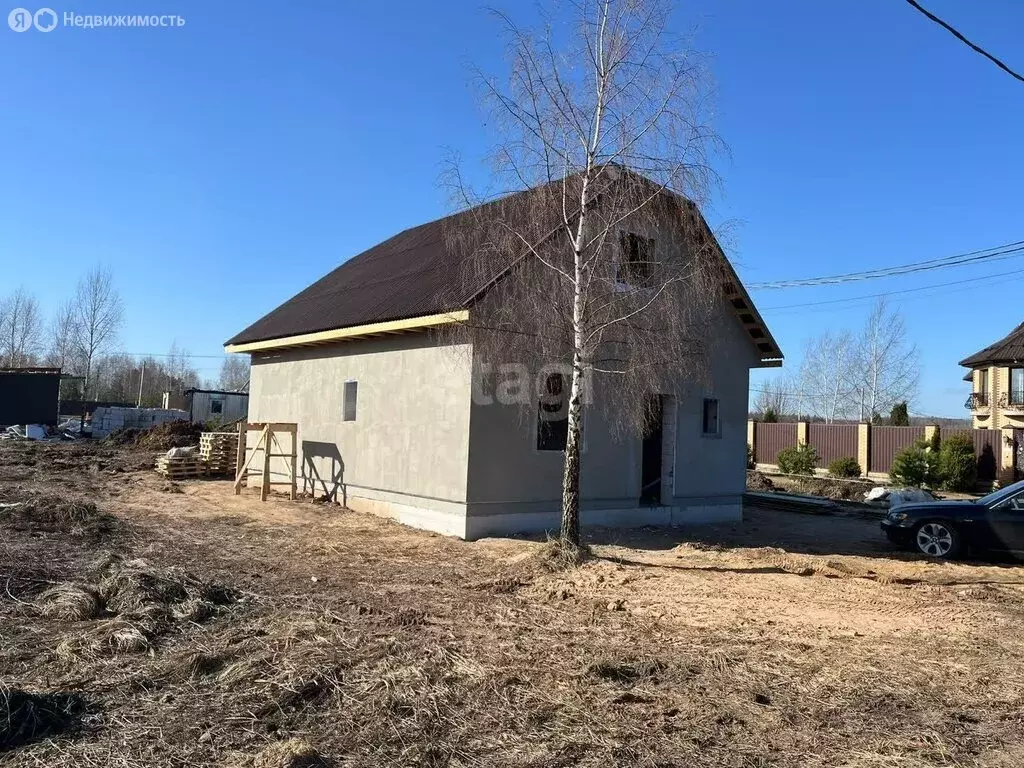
column 181, row 468
column 220, row 452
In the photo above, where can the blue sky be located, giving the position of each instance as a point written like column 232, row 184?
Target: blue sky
column 220, row 167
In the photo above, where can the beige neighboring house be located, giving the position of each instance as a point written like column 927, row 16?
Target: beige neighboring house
column 997, row 378
column 391, row 419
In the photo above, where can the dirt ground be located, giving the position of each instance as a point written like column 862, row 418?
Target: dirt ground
column 201, row 628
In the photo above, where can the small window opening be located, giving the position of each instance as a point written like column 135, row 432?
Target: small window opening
column 711, row 425
column 349, row 401
column 553, row 415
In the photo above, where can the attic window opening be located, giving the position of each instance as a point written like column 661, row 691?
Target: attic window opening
column 635, row 261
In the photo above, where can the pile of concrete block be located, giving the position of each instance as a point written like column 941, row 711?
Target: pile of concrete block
column 107, row 420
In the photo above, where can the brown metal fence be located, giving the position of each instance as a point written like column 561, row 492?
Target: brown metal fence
column 772, row 438
column 832, row 441
column 987, row 448
column 886, row 442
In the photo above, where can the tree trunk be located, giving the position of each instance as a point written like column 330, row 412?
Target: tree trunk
column 570, row 533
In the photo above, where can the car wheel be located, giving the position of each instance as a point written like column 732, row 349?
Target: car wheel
column 937, row 540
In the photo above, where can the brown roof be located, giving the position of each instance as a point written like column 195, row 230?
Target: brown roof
column 413, row 274
column 405, row 276
column 1007, row 350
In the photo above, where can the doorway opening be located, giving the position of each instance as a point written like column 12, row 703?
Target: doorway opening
column 651, row 455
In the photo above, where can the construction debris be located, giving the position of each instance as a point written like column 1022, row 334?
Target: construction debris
column 109, row 420
column 895, row 497
column 35, row 432
column 170, row 434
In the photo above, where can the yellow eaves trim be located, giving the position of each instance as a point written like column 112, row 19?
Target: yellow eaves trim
column 353, row 332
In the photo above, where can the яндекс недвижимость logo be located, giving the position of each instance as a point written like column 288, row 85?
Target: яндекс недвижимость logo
column 46, row 20
column 22, row 19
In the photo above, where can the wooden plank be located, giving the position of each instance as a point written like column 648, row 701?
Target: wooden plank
column 265, row 487
column 243, row 472
column 295, row 456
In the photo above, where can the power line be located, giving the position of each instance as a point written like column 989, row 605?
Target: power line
column 177, row 354
column 976, row 48
column 893, row 293
column 996, row 253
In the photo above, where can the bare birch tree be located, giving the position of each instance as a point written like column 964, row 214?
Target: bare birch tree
column 62, row 350
column 98, row 313
column 181, row 374
column 604, row 265
column 21, row 329
column 234, row 372
column 828, row 377
column 888, row 365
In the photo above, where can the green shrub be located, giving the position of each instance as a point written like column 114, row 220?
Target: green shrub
column 916, row 466
column 751, row 464
column 845, row 467
column 800, row 460
column 770, row 416
column 958, row 464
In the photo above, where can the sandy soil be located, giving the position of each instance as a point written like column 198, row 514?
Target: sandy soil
column 786, row 640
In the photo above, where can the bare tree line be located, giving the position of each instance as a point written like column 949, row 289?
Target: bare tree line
column 81, row 338
column 849, row 375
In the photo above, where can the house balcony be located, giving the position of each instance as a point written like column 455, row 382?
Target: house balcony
column 1012, row 402
column 976, row 401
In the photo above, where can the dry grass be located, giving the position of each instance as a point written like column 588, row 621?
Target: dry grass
column 69, row 602
column 558, row 555
column 292, row 753
column 414, row 650
column 27, row 717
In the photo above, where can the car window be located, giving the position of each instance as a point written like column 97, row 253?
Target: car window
column 1002, row 494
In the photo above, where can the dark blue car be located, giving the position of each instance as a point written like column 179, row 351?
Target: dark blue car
column 949, row 529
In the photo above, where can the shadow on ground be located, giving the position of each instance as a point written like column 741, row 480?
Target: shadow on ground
column 819, row 535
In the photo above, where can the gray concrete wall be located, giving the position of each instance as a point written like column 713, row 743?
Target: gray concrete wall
column 515, row 487
column 406, row 454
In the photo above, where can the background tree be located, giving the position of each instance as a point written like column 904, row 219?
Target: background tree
column 887, row 365
column 179, row 372
column 827, row 376
column 234, row 372
column 900, row 415
column 62, row 348
column 773, row 397
column 580, row 112
column 21, row 329
column 98, row 313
